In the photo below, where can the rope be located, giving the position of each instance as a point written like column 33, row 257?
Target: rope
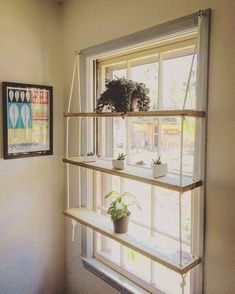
column 200, row 14
column 180, row 228
column 183, row 282
column 181, row 181
column 73, row 223
column 181, row 148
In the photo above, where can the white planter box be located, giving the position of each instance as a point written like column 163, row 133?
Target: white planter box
column 159, row 170
column 118, row 164
column 86, row 158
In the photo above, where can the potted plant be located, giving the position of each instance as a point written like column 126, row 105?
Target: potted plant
column 120, row 161
column 89, row 157
column 140, row 163
column 159, row 169
column 124, row 95
column 119, row 210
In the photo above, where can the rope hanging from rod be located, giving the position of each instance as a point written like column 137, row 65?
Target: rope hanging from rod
column 200, row 14
column 76, row 68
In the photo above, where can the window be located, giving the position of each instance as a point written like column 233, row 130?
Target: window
column 161, row 58
column 165, row 71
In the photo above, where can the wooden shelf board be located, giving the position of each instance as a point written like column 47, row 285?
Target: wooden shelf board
column 140, row 174
column 186, row 112
column 103, row 225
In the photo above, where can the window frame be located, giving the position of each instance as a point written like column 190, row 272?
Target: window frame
column 160, row 53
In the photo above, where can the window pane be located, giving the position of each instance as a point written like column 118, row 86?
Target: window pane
column 167, row 213
column 146, row 71
column 108, row 248
column 150, row 137
column 142, row 193
column 115, row 71
column 135, row 262
column 169, row 281
column 119, row 136
column 175, row 78
column 138, row 264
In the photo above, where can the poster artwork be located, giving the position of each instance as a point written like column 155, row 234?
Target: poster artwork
column 28, row 119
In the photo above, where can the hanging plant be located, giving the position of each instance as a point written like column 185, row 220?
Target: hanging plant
column 122, row 95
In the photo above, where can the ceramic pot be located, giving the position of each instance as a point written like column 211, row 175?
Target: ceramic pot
column 120, row 225
column 91, row 158
column 159, row 170
column 118, row 164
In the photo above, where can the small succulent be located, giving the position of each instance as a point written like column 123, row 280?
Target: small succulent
column 90, row 154
column 141, row 162
column 157, row 160
column 121, row 156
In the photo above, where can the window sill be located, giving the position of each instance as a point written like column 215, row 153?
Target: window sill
column 117, row 281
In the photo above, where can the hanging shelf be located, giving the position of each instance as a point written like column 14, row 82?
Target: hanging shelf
column 182, row 112
column 176, row 259
column 140, row 174
column 148, row 248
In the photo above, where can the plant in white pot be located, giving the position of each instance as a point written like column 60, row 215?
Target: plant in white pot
column 159, row 169
column 119, row 209
column 89, row 157
column 120, row 161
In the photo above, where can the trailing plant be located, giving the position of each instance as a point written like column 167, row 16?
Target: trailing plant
column 157, row 160
column 124, row 95
column 119, row 204
column 121, row 156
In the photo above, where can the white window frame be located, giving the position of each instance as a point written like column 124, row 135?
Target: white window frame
column 143, row 38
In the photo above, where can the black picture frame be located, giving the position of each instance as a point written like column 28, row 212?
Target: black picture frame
column 27, row 120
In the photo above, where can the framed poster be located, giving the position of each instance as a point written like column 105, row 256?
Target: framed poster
column 27, row 120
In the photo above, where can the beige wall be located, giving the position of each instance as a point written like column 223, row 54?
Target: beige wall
column 31, row 190
column 87, row 23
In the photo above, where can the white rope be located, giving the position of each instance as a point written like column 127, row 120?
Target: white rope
column 180, row 227
column 183, row 282
column 189, row 77
column 181, row 181
column 73, row 223
column 78, row 80
column 79, row 124
column 200, row 14
column 181, row 148
column 67, row 137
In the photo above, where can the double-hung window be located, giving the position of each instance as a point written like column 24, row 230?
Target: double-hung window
column 164, row 69
column 174, row 69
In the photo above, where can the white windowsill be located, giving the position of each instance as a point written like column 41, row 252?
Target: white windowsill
column 117, row 281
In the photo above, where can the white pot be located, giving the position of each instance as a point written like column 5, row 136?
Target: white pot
column 92, row 158
column 159, row 170
column 118, row 164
